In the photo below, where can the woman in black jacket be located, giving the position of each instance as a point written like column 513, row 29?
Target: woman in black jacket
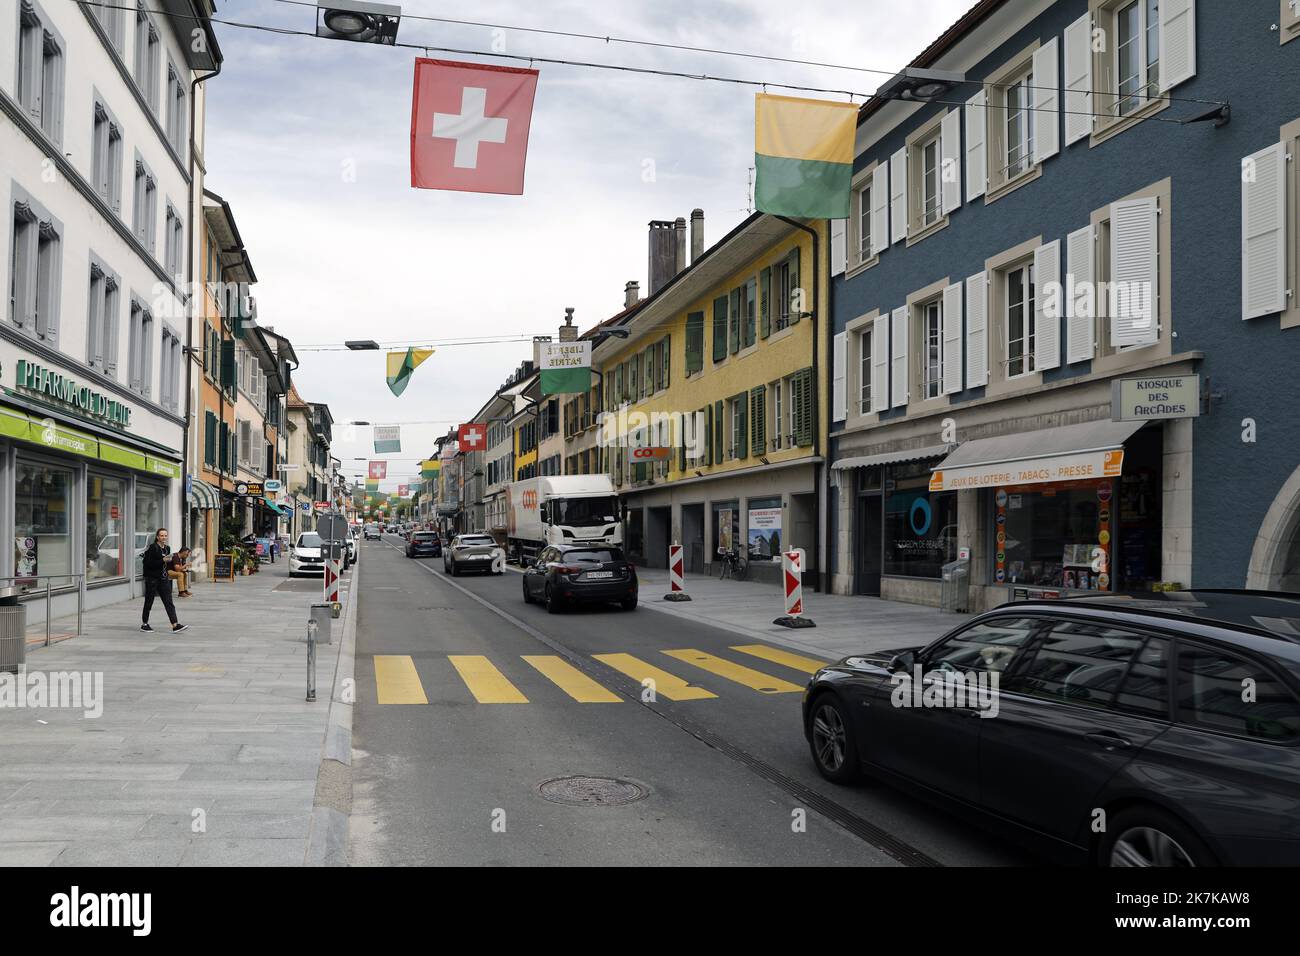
column 156, row 582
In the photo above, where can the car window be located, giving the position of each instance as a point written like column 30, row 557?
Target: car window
column 1084, row 663
column 476, row 541
column 309, row 539
column 987, row 646
column 1221, row 691
column 594, row 556
column 425, row 536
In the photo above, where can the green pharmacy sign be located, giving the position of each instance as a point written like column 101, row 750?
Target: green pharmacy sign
column 65, row 390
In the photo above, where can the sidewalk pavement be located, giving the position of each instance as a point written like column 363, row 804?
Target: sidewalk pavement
column 846, row 624
column 206, row 752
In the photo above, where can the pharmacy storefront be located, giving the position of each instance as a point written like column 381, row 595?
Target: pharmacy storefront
column 82, row 491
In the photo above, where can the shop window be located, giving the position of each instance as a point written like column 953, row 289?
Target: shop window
column 42, row 521
column 1055, row 534
column 105, row 525
column 920, row 526
column 150, row 515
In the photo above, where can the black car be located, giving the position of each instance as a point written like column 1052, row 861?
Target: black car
column 424, row 544
column 1145, row 731
column 569, row 574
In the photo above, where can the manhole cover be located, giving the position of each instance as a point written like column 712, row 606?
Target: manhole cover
column 592, row 791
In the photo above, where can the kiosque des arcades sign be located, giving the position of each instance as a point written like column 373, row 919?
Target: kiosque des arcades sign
column 61, row 388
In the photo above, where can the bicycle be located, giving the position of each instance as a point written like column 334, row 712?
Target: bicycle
column 732, row 566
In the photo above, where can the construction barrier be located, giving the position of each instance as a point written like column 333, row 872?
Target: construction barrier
column 792, row 578
column 676, row 574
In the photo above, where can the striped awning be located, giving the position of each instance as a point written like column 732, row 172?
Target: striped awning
column 203, row 496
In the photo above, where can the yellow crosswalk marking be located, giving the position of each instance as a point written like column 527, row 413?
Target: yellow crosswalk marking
column 485, row 682
column 396, row 681
column 751, row 678
column 571, row 680
column 665, row 684
column 809, row 665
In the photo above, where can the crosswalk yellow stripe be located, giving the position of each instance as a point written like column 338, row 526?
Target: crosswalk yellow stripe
column 665, row 684
column 809, row 665
column 751, row 678
column 485, row 682
column 396, row 681
column 571, row 680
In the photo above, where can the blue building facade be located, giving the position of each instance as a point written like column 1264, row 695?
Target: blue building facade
column 1109, row 197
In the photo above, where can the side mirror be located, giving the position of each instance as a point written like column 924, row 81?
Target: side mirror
column 902, row 662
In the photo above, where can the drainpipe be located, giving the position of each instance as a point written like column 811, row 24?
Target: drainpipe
column 819, row 525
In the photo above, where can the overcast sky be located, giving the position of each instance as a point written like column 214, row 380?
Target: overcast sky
column 309, row 141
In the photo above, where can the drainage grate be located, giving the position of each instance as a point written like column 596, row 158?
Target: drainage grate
column 592, row 791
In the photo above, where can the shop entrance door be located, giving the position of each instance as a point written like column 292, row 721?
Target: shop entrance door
column 868, row 545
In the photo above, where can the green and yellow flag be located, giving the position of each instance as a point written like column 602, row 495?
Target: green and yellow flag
column 803, row 154
column 429, row 468
column 401, row 365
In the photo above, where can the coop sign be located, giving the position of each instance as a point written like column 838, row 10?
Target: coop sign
column 65, row 390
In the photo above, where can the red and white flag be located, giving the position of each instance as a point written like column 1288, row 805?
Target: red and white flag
column 378, row 469
column 469, row 126
column 472, row 437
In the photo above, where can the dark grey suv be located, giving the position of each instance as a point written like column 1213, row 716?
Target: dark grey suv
column 1150, row 731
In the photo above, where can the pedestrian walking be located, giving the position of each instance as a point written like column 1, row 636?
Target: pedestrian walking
column 156, row 582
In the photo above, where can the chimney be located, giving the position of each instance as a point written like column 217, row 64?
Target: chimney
column 663, row 255
column 568, row 331
column 697, row 235
column 680, row 250
column 631, row 294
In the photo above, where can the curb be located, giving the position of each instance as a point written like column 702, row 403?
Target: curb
column 327, row 839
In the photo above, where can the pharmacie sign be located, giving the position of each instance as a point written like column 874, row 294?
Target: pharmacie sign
column 1155, row 396
column 65, row 390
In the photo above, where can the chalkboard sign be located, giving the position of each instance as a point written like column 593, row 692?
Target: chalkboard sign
column 223, row 567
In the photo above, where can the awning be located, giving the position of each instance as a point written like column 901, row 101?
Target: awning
column 1081, row 452
column 278, row 509
column 893, row 457
column 203, row 496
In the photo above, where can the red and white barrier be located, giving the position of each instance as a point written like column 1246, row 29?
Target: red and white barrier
column 332, row 575
column 792, row 577
column 676, row 574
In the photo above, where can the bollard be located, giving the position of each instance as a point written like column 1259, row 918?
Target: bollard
column 332, row 575
column 676, row 575
column 792, row 575
column 311, row 660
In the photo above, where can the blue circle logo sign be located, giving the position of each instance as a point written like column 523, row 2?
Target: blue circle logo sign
column 922, row 524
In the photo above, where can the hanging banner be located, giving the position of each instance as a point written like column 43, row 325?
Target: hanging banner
column 400, row 365
column 388, row 438
column 403, row 491
column 564, row 367
column 469, row 126
column 430, row 467
column 378, row 469
column 472, row 437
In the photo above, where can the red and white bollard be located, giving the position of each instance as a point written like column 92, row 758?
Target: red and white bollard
column 676, row 574
column 332, row 575
column 792, row 576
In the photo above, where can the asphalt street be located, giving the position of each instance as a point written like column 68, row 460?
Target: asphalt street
column 469, row 701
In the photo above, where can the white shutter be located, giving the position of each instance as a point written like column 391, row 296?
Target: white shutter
column 952, row 339
column 1134, row 271
column 1078, row 79
column 1177, row 42
column 1047, row 327
column 1047, row 101
column 839, row 397
column 898, row 195
column 898, row 357
column 977, row 332
column 879, row 209
column 839, row 246
column 880, row 364
column 1263, row 232
column 950, row 169
column 977, row 164
column 1080, row 320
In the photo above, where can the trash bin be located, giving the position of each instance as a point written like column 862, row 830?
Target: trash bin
column 954, row 591
column 322, row 615
column 13, row 635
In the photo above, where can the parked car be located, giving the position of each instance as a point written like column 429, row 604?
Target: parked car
column 469, row 552
column 372, row 532
column 1160, row 731
column 352, row 547
column 108, row 553
column 307, row 556
column 424, row 544
column 567, row 574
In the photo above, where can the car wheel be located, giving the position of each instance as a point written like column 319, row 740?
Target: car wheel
column 628, row 604
column 1147, row 836
column 552, row 602
column 528, row 598
column 455, row 571
column 834, row 749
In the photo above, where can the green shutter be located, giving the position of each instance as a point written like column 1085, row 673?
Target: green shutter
column 719, row 328
column 223, row 449
column 708, row 434
column 719, row 438
column 742, row 408
column 794, row 285
column 228, row 379
column 733, row 337
column 665, row 361
column 802, row 390
column 694, row 342
column 634, row 370
column 751, row 289
column 765, row 302
column 758, row 418
column 209, row 438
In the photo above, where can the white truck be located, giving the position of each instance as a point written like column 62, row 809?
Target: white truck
column 568, row 509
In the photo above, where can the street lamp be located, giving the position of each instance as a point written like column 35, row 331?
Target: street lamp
column 362, row 345
column 358, row 20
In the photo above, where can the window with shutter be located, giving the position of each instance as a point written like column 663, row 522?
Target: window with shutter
column 1134, row 270
column 224, row 446
column 1047, row 101
column 976, row 158
column 1263, row 232
column 879, row 364
column 719, row 441
column 839, row 393
column 750, row 294
column 899, row 357
column 758, row 418
column 880, row 209
column 1081, row 310
column 977, row 355
column 952, row 338
column 950, row 172
column 707, row 412
column 719, row 328
column 1047, row 306
column 735, row 317
column 694, row 342
column 806, row 411
column 795, row 303
column 742, row 427
column 209, row 438
column 1078, row 79
column 765, row 302
column 898, row 218
column 839, row 246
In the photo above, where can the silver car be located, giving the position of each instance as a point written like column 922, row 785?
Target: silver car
column 470, row 552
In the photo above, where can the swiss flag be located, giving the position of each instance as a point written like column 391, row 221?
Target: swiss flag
column 379, row 469
column 472, row 437
column 469, row 126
